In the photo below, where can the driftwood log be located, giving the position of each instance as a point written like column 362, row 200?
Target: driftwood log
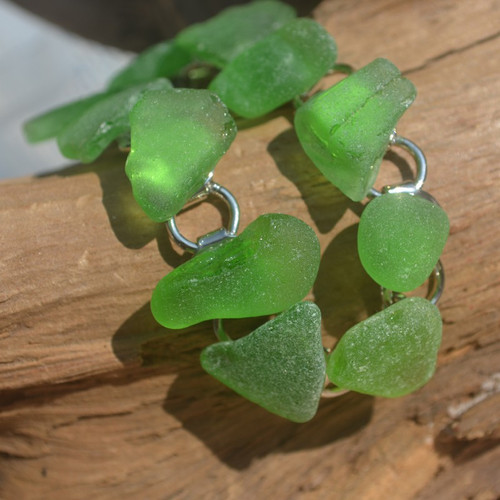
column 98, row 401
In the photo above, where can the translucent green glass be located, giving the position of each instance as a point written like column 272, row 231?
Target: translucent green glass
column 280, row 366
column 266, row 269
column 164, row 59
column 86, row 137
column 48, row 125
column 235, row 29
column 390, row 354
column 345, row 130
column 276, row 69
column 400, row 239
column 177, row 138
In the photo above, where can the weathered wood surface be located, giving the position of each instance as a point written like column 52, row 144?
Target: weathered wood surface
column 97, row 401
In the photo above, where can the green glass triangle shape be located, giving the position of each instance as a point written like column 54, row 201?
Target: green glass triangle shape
column 280, row 366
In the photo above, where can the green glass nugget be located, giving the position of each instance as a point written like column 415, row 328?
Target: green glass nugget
column 48, row 125
column 266, row 269
column 400, row 239
column 177, row 138
column 280, row 366
column 276, row 69
column 164, row 59
column 346, row 129
column 390, row 354
column 86, row 137
column 221, row 38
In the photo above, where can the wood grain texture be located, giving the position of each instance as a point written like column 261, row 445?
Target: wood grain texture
column 98, row 401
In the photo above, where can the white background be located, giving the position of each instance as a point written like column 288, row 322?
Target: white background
column 41, row 66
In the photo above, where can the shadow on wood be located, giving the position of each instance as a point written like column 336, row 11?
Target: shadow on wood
column 213, row 413
column 325, row 203
column 343, row 290
column 220, row 419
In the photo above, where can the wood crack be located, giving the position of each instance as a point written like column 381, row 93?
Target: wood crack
column 33, row 396
column 92, row 417
column 460, row 50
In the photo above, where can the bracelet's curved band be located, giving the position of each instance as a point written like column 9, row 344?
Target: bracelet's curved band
column 209, row 188
column 412, row 187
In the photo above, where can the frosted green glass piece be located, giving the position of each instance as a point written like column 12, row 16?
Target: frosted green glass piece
column 345, row 130
column 164, row 59
column 86, row 137
column 276, row 69
column 177, row 138
column 264, row 270
column 235, row 29
column 48, row 125
column 390, row 354
column 280, row 366
column 400, row 239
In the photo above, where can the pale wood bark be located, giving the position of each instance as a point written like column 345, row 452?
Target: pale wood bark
column 98, row 401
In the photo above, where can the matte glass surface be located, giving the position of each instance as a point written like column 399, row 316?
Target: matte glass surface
column 264, row 270
column 390, row 354
column 345, row 130
column 164, row 59
column 177, row 138
column 276, row 69
column 400, row 239
column 235, row 29
column 48, row 125
column 280, row 366
column 86, row 137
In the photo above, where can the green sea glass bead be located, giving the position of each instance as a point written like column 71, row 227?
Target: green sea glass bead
column 164, row 59
column 264, row 270
column 346, row 129
column 177, row 138
column 390, row 354
column 280, row 366
column 400, row 239
column 48, row 125
column 86, row 137
column 286, row 63
column 221, row 38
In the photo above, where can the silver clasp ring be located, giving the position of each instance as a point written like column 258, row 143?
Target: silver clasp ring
column 421, row 166
column 437, row 283
column 220, row 332
column 209, row 188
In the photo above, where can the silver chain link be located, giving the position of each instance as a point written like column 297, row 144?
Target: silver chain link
column 208, row 189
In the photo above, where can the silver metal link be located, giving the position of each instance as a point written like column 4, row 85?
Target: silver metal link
column 421, row 166
column 209, row 188
column 220, row 332
column 330, row 391
column 437, row 283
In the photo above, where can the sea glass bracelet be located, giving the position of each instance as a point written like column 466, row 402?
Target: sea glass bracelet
column 231, row 277
column 265, row 58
